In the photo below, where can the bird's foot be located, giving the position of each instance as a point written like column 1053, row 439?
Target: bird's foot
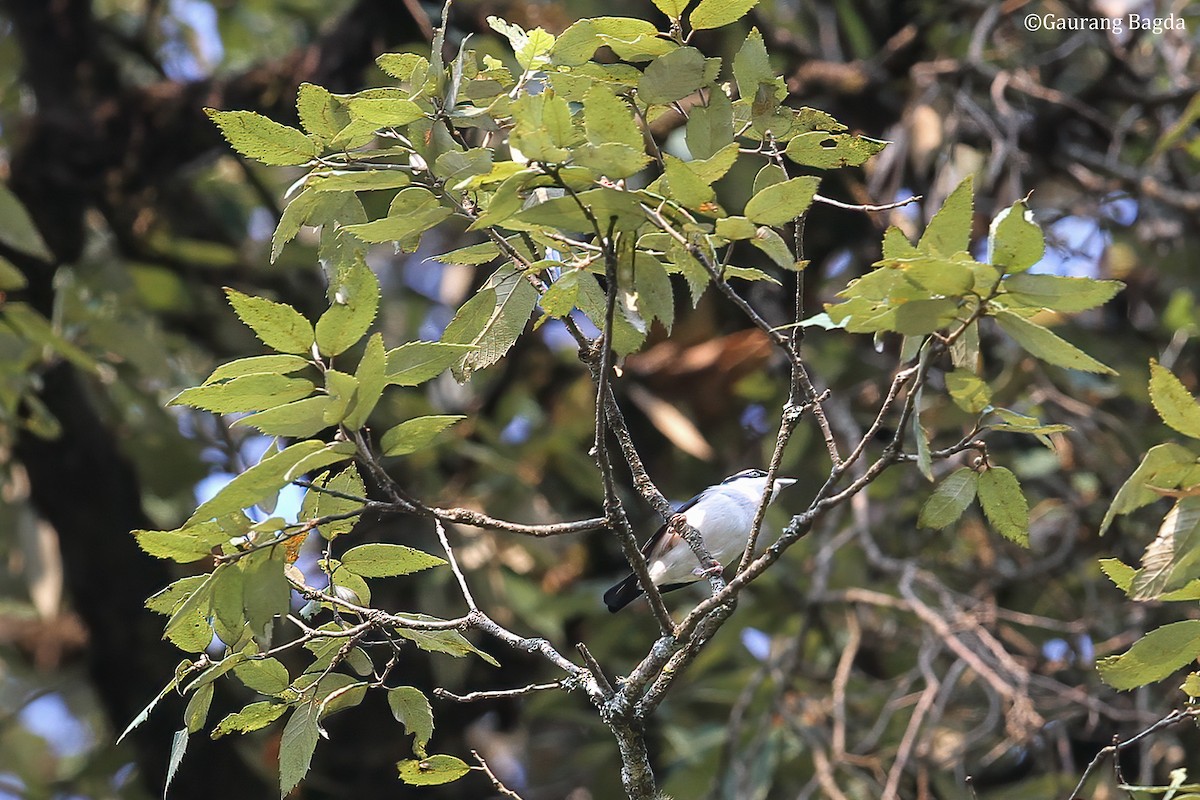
column 713, row 569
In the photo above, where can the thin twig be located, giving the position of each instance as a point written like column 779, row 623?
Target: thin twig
column 471, row 697
column 497, row 784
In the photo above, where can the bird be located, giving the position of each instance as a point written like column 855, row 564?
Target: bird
column 723, row 514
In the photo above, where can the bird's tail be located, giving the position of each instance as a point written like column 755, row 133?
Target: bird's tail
column 622, row 594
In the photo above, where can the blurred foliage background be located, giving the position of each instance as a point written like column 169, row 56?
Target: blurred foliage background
column 810, row 690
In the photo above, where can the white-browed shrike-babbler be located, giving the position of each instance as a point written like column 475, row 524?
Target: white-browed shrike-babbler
column 723, row 514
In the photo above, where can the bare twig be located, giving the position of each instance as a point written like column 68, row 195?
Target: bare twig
column 497, row 784
column 471, row 697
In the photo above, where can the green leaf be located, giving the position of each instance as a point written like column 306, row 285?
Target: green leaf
column 319, row 504
column 384, row 112
column 265, row 591
column 183, row 545
column 11, row 278
column 631, row 39
column 716, row 166
column 1173, row 402
column 416, row 434
column 715, row 13
column 1045, row 345
column 950, row 499
column 672, row 76
column 621, row 208
column 655, row 298
column 278, row 326
column 1058, row 293
column 456, row 167
column 949, row 231
column 1021, row 423
column 968, row 391
column 686, row 187
column 405, row 67
column 771, row 243
column 30, row 323
column 257, row 365
column 737, row 228
column 1153, row 657
column 415, row 363
column 491, row 321
column 251, row 718
column 144, row 714
column 245, row 393
column 385, row 560
column 411, row 709
column 188, row 627
column 270, row 475
column 358, row 180
column 296, row 747
column 1165, row 466
column 1015, row 242
column 609, row 119
column 320, row 114
column 295, row 216
column 897, row 246
column 1004, row 504
column 1172, row 560
column 264, row 140
column 751, row 66
column 228, row 600
column 432, row 771
column 346, row 580
column 17, row 229
column 297, row 420
column 266, row 676
column 471, row 255
column 824, row 150
column 412, row 212
column 613, row 161
column 710, row 127
column 918, row 317
column 371, row 378
column 167, row 600
column 449, row 642
column 196, row 712
column 780, row 203
column 672, row 8
column 355, row 300
column 178, row 746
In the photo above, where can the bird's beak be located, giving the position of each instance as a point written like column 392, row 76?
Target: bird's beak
column 783, row 483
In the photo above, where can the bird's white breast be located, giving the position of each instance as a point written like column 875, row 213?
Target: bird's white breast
column 723, row 517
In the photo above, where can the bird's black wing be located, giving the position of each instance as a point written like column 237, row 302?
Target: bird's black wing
column 628, row 590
